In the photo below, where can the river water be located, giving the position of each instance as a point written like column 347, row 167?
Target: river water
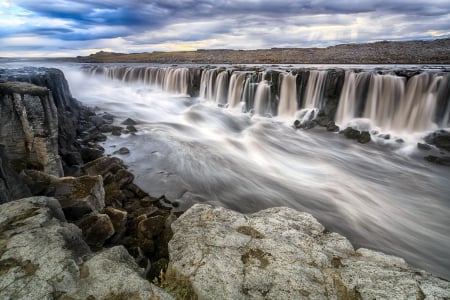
column 381, row 195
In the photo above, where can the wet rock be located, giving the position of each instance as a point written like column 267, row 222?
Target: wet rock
column 332, row 127
column 114, row 196
column 439, row 138
column 104, row 166
column 422, row 146
column 310, row 124
column 351, row 133
column 97, row 121
column 442, row 160
column 116, row 130
column 44, row 257
column 96, row 228
column 108, row 117
column 122, row 151
column 222, row 252
column 78, row 195
column 399, row 141
column 364, row 137
column 105, row 128
column 89, row 154
column 297, row 124
column 129, row 121
column 131, row 129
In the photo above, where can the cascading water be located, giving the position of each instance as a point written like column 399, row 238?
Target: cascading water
column 221, row 89
column 314, row 89
column 288, row 96
column 236, row 89
column 262, row 98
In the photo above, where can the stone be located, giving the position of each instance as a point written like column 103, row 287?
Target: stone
column 44, row 257
column 364, row 137
column 97, row 121
column 442, row 160
column 422, row 146
column 118, row 219
column 12, row 186
column 116, row 130
column 151, row 227
column 280, row 253
column 89, row 154
column 439, row 138
column 105, row 128
column 351, row 133
column 129, row 121
column 104, row 166
column 78, row 195
column 297, row 124
column 96, row 228
column 131, row 129
column 332, row 127
column 122, row 151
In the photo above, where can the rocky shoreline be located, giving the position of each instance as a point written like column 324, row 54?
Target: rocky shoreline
column 84, row 230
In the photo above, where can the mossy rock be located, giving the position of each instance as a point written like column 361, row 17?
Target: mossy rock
column 15, row 87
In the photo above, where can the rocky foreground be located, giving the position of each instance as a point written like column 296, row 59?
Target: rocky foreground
column 384, row 52
column 73, row 225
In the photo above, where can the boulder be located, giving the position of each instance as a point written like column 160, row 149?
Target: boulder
column 44, row 257
column 440, row 160
column 78, row 195
column 280, row 253
column 116, row 130
column 122, row 151
column 131, row 129
column 439, row 138
column 118, row 219
column 151, row 227
column 96, row 228
column 332, row 127
column 351, row 133
column 422, row 146
column 364, row 137
column 89, row 154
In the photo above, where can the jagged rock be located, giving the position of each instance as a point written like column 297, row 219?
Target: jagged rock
column 96, row 228
column 280, row 253
column 151, row 227
column 118, row 219
column 78, row 195
column 97, row 121
column 11, row 185
column 439, row 138
column 44, row 257
column 117, row 130
column 106, row 128
column 29, row 127
column 129, row 122
column 104, row 166
column 351, row 133
column 364, row 137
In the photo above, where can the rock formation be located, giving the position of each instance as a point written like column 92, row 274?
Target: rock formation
column 280, row 253
column 44, row 257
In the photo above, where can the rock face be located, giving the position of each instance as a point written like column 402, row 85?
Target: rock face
column 280, row 253
column 11, row 186
column 29, row 127
column 43, row 257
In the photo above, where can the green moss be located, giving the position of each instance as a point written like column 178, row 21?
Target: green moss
column 22, row 88
column 175, row 284
column 82, row 187
column 249, row 254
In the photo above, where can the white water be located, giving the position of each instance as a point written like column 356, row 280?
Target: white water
column 314, row 89
column 383, row 197
column 288, row 96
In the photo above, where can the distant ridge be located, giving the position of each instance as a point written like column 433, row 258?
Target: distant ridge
column 382, row 52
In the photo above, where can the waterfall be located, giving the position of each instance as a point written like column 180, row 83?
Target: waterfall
column 236, row 89
column 390, row 101
column 262, row 98
column 221, row 88
column 288, row 96
column 351, row 100
column 314, row 89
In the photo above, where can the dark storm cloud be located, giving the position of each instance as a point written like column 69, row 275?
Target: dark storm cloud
column 233, row 23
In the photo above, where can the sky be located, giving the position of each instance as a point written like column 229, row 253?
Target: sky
column 81, row 27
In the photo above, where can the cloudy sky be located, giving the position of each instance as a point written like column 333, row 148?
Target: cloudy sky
column 81, row 27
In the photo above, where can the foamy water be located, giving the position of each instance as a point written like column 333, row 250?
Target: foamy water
column 382, row 195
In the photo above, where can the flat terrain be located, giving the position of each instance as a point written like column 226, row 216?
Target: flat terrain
column 384, row 52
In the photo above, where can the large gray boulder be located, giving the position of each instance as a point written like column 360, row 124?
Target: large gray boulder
column 280, row 253
column 44, row 257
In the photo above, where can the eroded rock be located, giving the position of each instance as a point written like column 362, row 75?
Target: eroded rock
column 280, row 253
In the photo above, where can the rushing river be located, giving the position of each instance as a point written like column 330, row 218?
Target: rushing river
column 382, row 195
